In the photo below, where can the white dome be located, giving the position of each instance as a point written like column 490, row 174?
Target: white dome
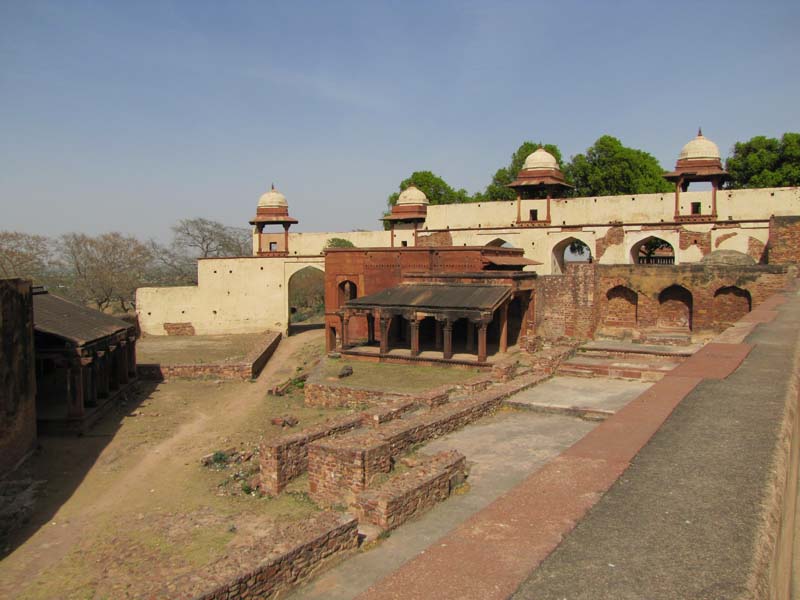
column 273, row 199
column 541, row 159
column 412, row 195
column 700, row 148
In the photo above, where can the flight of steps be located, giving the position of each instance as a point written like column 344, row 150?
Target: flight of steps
column 624, row 360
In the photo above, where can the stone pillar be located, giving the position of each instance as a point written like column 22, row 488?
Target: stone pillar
column 678, row 197
column 259, row 231
column 548, row 207
column 286, row 237
column 370, row 329
column 391, row 229
column 439, row 336
column 482, row 342
column 101, row 374
column 519, row 208
column 132, row 357
column 714, row 198
column 470, row 336
column 504, row 327
column 345, row 333
column 414, row 337
column 89, row 380
column 122, row 362
column 448, row 339
column 75, row 400
column 111, row 369
column 386, row 323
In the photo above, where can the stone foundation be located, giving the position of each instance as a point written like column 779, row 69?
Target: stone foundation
column 247, row 368
column 410, row 494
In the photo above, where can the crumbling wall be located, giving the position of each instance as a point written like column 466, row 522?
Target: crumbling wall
column 784, row 240
column 17, row 373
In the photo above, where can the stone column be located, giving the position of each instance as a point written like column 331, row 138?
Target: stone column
column 259, row 231
column 714, row 198
column 75, row 401
column 504, row 327
column 286, row 237
column 101, row 374
column 482, row 342
column 345, row 333
column 123, row 362
column 678, row 197
column 548, row 207
column 448, row 339
column 132, row 357
column 370, row 328
column 391, row 229
column 90, row 380
column 386, row 323
column 439, row 336
column 414, row 337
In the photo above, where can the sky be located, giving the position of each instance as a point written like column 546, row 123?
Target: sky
column 128, row 116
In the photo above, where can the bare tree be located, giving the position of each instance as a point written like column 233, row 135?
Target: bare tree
column 205, row 238
column 24, row 255
column 105, row 269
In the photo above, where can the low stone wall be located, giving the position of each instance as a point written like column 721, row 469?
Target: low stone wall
column 248, row 368
column 336, row 535
column 339, row 468
column 284, row 459
column 411, row 493
column 332, row 395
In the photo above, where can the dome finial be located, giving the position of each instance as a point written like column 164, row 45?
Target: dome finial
column 699, row 132
column 273, row 185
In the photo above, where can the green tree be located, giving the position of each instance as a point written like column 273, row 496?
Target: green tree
column 608, row 168
column 497, row 189
column 337, row 242
column 765, row 162
column 434, row 187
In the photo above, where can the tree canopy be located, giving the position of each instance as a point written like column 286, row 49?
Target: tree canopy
column 434, row 187
column 497, row 189
column 337, row 242
column 765, row 162
column 608, row 168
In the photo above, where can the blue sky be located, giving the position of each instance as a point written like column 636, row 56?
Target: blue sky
column 130, row 115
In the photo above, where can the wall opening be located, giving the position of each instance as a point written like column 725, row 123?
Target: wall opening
column 570, row 250
column 653, row 251
column 675, row 308
column 621, row 308
column 306, row 299
column 731, row 303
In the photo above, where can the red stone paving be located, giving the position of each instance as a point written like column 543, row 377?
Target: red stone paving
column 713, row 361
column 490, row 554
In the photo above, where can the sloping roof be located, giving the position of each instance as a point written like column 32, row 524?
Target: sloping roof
column 72, row 322
column 437, row 296
column 511, row 261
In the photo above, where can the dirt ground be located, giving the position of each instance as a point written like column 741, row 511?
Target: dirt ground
column 195, row 349
column 129, row 507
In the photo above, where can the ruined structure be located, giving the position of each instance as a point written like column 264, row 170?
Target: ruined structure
column 84, row 360
column 249, row 294
column 17, row 376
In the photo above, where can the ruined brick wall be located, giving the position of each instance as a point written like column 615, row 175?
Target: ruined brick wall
column 687, row 239
column 17, row 373
column 784, row 240
column 335, row 535
column 674, row 296
column 613, row 237
column 179, row 328
column 284, row 459
column 407, row 495
column 565, row 304
column 434, row 239
column 341, row 396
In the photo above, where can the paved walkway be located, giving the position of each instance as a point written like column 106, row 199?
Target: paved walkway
column 679, row 524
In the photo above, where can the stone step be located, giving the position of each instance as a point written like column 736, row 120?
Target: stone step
column 646, row 368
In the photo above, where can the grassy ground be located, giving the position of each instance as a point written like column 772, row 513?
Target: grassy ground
column 394, row 378
column 129, row 507
column 195, row 349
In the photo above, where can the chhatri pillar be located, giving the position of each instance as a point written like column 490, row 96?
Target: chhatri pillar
column 540, row 177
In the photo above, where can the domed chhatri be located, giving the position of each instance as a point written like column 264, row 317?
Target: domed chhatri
column 412, row 196
column 540, row 159
column 272, row 209
column 699, row 160
column 273, row 199
column 700, row 148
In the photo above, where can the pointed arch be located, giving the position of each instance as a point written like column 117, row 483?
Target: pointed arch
column 571, row 249
column 306, row 290
column 621, row 308
column 500, row 243
column 731, row 303
column 675, row 308
column 652, row 250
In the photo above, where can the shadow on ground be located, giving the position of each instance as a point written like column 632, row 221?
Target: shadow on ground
column 59, row 465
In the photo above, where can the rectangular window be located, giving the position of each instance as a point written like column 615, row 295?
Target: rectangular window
column 404, row 243
column 534, row 215
column 696, row 208
column 273, row 246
